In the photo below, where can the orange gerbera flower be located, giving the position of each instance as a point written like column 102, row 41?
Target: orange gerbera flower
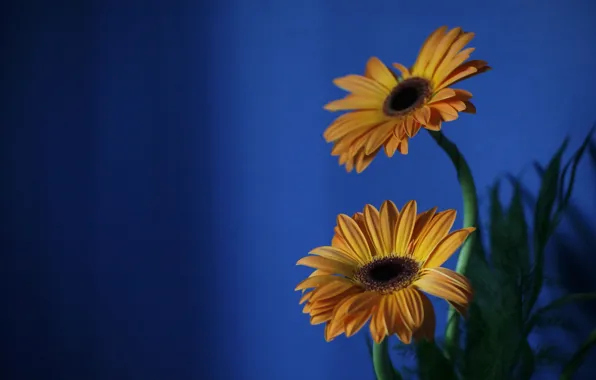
column 389, row 109
column 376, row 267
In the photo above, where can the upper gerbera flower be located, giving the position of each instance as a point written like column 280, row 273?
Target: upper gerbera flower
column 389, row 109
column 376, row 267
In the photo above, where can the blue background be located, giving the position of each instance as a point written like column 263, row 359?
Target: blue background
column 163, row 169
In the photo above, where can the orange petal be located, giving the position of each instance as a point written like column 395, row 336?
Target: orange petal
column 315, row 281
column 305, row 297
column 352, row 122
column 378, row 326
column 446, row 284
column 447, row 112
column 439, row 53
column 378, row 136
column 461, row 309
column 395, row 318
column 427, row 329
column 447, row 247
column 377, row 70
column 354, row 322
column 457, row 61
column 363, row 160
column 353, row 102
column 388, row 218
column 404, row 227
column 458, row 105
column 318, row 262
column 363, row 86
column 405, row 73
column 354, row 237
column 337, row 254
column 463, row 40
column 403, row 146
column 422, row 223
column 372, row 221
column 391, row 146
column 470, row 108
column 462, row 95
column 411, row 308
column 428, row 47
column 443, row 94
column 435, row 121
column 438, row 229
column 422, row 115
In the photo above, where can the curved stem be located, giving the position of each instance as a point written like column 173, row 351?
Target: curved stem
column 468, row 188
column 382, row 362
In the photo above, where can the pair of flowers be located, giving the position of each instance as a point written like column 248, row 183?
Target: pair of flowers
column 380, row 262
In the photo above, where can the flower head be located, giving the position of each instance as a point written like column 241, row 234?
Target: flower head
column 388, row 109
column 376, row 269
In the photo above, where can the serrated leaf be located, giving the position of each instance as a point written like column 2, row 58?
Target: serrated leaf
column 578, row 357
column 432, row 363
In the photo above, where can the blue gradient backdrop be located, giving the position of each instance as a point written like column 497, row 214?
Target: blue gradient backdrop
column 163, row 169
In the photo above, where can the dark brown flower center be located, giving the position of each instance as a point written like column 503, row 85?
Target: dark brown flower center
column 406, row 96
column 388, row 274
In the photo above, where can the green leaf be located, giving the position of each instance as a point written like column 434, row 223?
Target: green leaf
column 518, row 231
column 565, row 195
column 542, row 222
column 578, row 357
column 527, row 363
column 556, row 304
column 432, row 363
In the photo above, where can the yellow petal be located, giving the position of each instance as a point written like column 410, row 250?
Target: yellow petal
column 362, row 86
column 405, row 227
column 446, row 284
column 318, row 262
column 388, row 217
column 376, row 70
column 447, row 247
column 354, row 238
column 438, row 229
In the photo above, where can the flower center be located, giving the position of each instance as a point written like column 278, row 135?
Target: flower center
column 388, row 274
column 406, row 96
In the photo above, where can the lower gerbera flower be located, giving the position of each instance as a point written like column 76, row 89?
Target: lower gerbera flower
column 376, row 269
column 388, row 109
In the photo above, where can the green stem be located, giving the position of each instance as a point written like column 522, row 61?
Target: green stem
column 468, row 188
column 382, row 362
